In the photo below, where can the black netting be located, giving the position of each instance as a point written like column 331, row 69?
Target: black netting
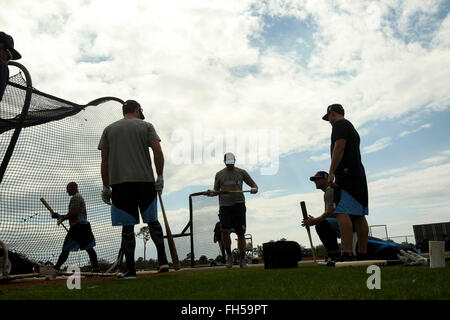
column 57, row 145
column 61, row 149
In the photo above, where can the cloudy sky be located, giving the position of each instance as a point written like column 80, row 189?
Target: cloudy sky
column 255, row 77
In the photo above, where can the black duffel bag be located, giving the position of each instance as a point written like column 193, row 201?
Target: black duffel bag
column 281, row 254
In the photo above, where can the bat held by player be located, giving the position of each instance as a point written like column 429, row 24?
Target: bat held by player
column 213, row 193
column 53, row 213
column 305, row 216
column 172, row 248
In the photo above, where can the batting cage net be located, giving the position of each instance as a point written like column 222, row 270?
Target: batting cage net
column 57, row 144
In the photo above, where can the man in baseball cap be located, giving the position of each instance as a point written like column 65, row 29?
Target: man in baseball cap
column 7, row 53
column 327, row 227
column 333, row 108
column 348, row 173
column 232, row 210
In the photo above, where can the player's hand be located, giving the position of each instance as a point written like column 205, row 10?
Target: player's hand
column 106, row 194
column 254, row 190
column 330, row 179
column 309, row 222
column 60, row 220
column 159, row 184
column 56, row 215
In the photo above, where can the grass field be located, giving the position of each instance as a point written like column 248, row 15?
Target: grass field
column 308, row 281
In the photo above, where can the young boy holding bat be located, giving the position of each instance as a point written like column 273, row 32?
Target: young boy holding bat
column 79, row 236
column 232, row 205
column 128, row 180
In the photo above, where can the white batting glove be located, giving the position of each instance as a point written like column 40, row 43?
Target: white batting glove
column 159, row 184
column 106, row 194
column 254, row 190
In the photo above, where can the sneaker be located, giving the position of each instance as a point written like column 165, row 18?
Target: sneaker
column 163, row 268
column 330, row 261
column 229, row 262
column 243, row 263
column 362, row 256
column 128, row 275
column 346, row 256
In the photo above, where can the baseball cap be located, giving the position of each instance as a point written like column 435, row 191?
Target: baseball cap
column 334, row 107
column 319, row 175
column 132, row 103
column 229, row 158
column 8, row 41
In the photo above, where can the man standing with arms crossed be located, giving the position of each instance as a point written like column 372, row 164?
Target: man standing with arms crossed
column 129, row 182
column 232, row 212
column 347, row 168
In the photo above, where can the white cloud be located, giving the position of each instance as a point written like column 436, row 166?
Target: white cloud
column 424, row 126
column 434, row 160
column 322, row 157
column 377, row 145
column 175, row 58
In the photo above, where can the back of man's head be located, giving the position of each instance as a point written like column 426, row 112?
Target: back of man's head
column 130, row 106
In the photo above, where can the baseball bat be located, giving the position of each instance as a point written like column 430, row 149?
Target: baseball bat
column 223, row 192
column 305, row 216
column 365, row 263
column 173, row 249
column 51, row 210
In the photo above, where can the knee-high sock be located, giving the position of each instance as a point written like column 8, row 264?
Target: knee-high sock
column 129, row 246
column 156, row 233
column 93, row 257
column 62, row 258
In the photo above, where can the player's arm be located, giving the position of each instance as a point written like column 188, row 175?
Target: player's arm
column 216, row 189
column 105, row 167
column 311, row 221
column 158, row 156
column 73, row 212
column 249, row 181
column 336, row 157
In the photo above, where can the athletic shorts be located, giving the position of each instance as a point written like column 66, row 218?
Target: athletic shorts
column 233, row 217
column 352, row 196
column 79, row 237
column 130, row 198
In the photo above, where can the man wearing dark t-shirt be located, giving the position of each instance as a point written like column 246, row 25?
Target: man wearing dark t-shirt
column 348, row 176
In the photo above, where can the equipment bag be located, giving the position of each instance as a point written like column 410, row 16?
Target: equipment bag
column 385, row 250
column 281, row 254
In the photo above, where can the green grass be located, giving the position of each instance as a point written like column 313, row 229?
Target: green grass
column 308, row 281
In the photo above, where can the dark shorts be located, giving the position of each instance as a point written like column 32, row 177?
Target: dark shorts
column 130, row 198
column 352, row 196
column 233, row 217
column 79, row 237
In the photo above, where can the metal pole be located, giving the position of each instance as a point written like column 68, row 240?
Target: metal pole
column 192, row 231
column 23, row 115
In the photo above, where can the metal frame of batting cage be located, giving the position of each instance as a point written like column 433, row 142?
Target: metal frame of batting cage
column 18, row 129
